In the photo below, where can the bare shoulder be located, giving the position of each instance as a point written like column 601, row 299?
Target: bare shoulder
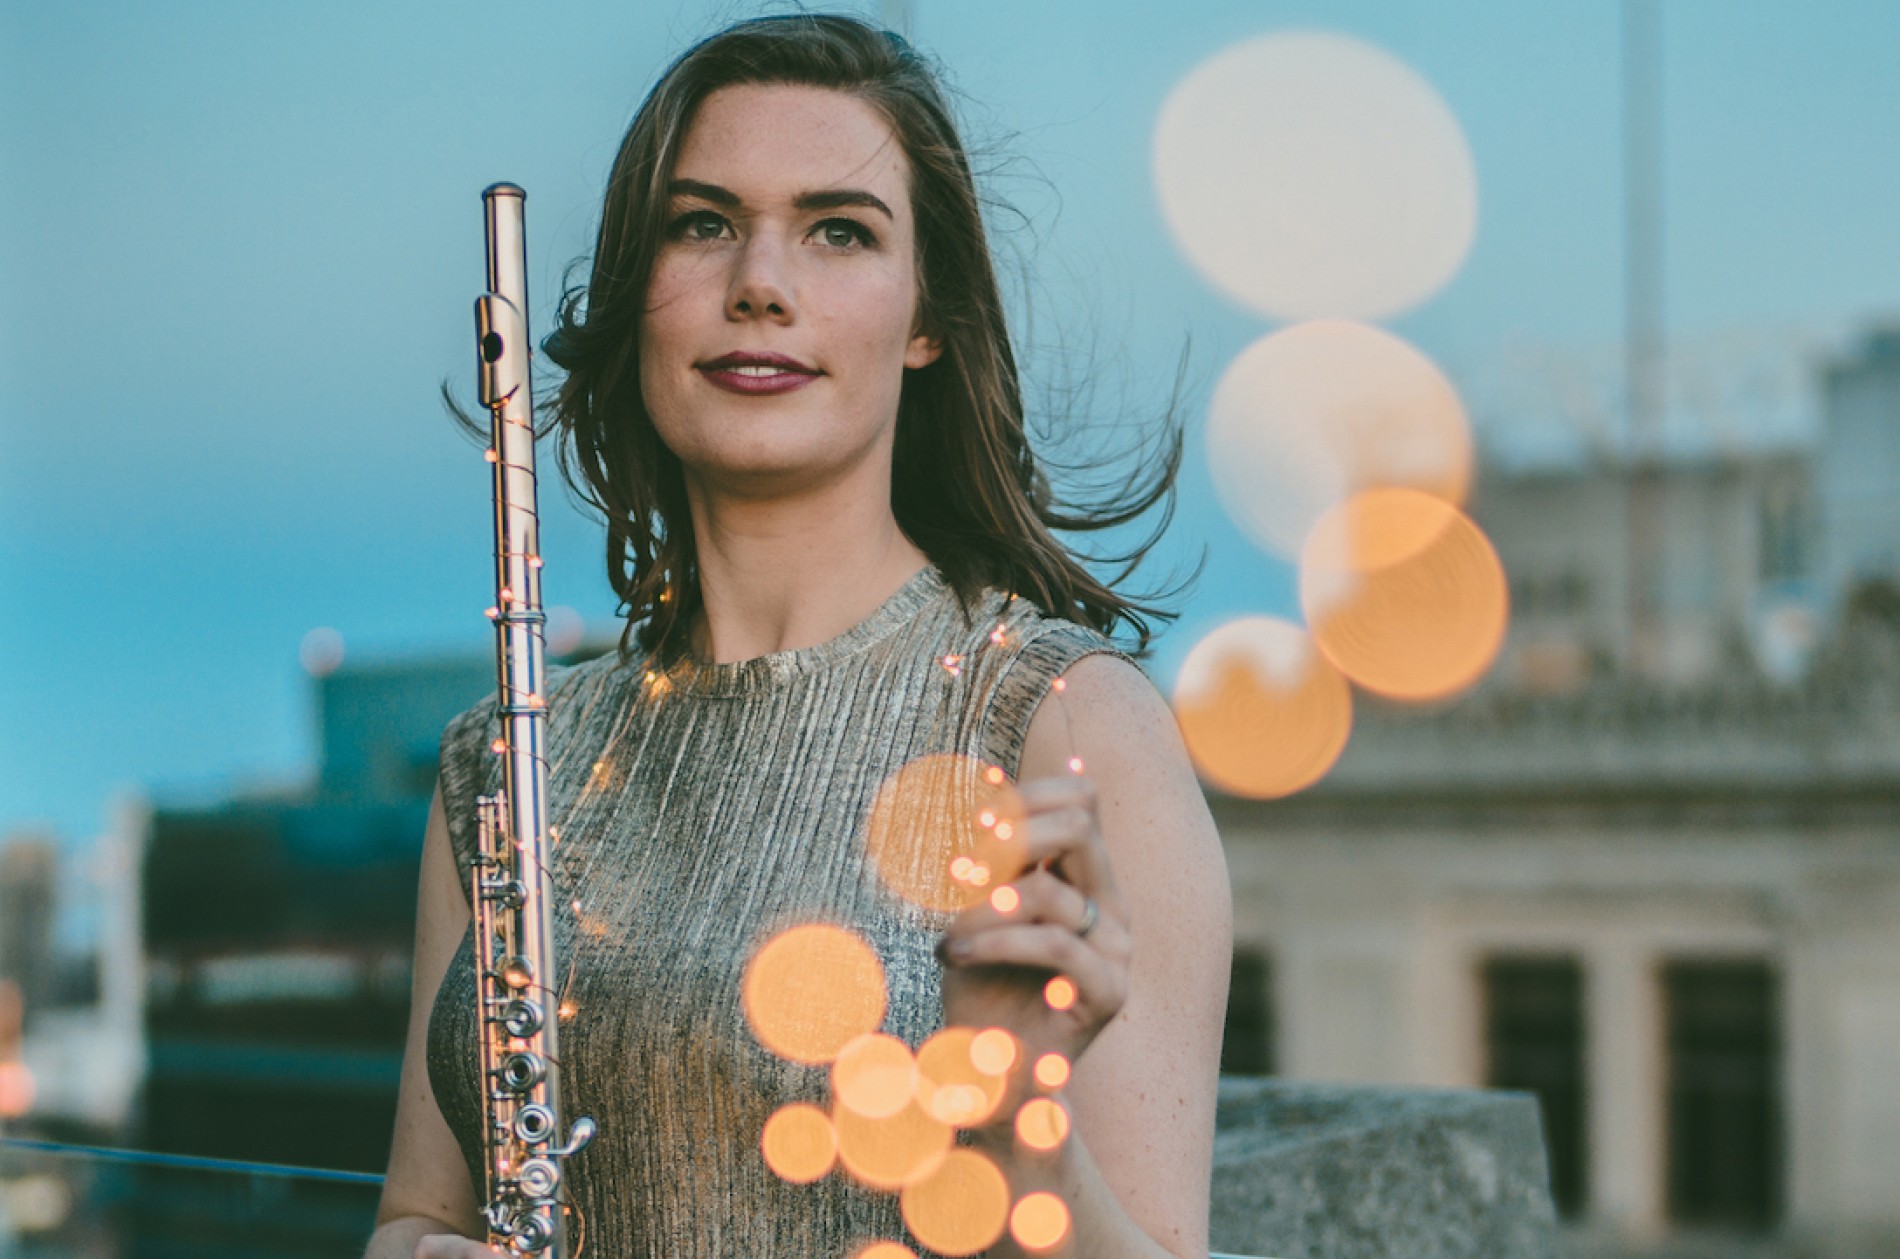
column 1154, row 817
column 1108, row 712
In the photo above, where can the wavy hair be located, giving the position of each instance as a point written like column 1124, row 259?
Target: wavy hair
column 966, row 489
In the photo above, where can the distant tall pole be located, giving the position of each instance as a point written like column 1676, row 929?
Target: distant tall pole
column 1643, row 328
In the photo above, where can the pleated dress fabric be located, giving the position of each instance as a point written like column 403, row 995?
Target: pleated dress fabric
column 701, row 809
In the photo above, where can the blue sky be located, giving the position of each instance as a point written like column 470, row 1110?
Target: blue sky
column 238, row 243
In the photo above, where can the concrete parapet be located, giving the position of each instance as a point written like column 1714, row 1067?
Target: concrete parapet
column 1321, row 1171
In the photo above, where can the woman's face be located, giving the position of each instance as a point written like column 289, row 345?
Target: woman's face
column 789, row 234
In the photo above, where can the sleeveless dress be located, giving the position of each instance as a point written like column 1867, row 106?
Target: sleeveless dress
column 700, row 810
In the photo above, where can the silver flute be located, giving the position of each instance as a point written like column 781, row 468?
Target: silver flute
column 517, row 971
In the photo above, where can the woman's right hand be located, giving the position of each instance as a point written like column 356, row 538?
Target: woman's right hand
column 453, row 1246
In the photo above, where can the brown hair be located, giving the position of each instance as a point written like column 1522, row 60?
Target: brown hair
column 965, row 488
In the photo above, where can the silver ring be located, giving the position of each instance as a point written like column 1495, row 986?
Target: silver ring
column 1089, row 914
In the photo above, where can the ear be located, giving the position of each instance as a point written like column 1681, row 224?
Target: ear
column 922, row 351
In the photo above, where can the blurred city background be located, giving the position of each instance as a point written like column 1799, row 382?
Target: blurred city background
column 1543, row 399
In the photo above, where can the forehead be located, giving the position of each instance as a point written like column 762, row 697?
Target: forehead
column 770, row 142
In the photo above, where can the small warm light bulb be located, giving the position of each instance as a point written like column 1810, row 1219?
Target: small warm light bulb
column 954, row 665
column 493, row 614
column 1005, row 900
column 994, row 775
column 567, row 1009
column 498, row 746
column 1005, row 831
column 987, row 817
column 998, row 634
column 577, row 907
column 1052, row 1071
column 1060, row 684
column 1075, row 764
column 534, row 561
column 1059, row 993
column 490, row 454
column 507, row 595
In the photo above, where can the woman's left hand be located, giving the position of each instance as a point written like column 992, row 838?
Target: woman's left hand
column 998, row 960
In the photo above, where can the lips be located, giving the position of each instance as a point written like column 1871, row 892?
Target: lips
column 751, row 373
column 758, row 358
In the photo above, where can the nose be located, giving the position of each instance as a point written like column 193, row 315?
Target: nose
column 760, row 286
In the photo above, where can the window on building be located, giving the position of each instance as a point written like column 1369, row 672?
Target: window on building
column 1247, row 1040
column 1725, row 1130
column 1534, row 1040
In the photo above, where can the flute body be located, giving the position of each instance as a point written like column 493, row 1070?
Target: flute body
column 517, row 975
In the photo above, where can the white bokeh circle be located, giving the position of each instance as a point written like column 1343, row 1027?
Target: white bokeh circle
column 1309, row 174
column 1311, row 414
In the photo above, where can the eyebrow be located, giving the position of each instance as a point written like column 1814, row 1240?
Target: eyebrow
column 822, row 199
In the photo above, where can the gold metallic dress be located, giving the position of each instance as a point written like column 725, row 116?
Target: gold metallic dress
column 700, row 810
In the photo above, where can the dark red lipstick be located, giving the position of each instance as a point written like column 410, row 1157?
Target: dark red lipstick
column 765, row 372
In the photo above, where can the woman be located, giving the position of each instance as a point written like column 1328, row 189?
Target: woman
column 790, row 391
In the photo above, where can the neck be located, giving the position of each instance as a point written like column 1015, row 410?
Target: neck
column 792, row 571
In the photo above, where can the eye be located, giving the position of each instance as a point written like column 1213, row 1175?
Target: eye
column 686, row 226
column 842, row 232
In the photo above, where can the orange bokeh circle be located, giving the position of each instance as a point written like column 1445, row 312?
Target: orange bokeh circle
column 894, row 1151
column 812, row 989
column 924, row 837
column 1039, row 1221
column 1404, row 594
column 1262, row 711
column 798, row 1143
column 961, row 1207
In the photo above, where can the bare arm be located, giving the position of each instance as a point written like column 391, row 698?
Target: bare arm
column 426, row 1191
column 1137, row 1166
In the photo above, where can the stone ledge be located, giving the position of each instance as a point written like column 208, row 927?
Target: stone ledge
column 1321, row 1171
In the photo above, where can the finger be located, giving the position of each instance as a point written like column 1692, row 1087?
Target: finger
column 1035, row 897
column 1101, row 985
column 1067, row 839
column 1057, row 792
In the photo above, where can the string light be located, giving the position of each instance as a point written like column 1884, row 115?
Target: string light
column 490, row 455
column 1075, row 764
column 953, row 665
column 498, row 746
column 1059, row 685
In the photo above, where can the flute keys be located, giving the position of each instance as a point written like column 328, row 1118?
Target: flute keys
column 522, row 1018
column 534, row 1124
column 520, row 1072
